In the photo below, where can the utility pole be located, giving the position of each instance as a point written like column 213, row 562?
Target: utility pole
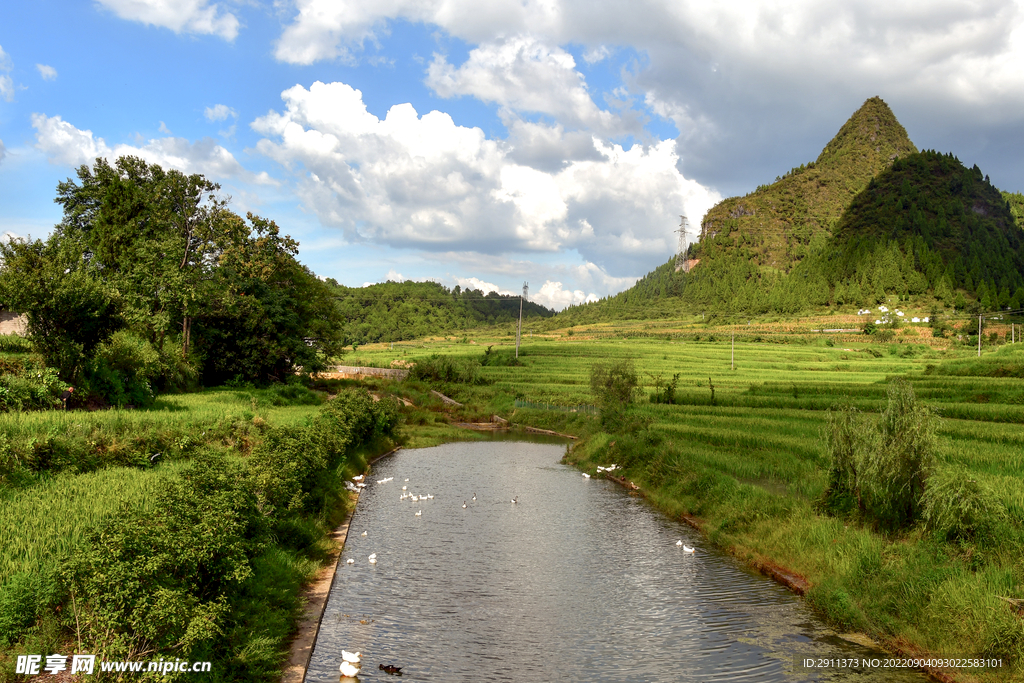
column 519, row 330
column 979, row 336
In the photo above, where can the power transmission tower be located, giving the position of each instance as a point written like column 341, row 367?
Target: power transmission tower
column 519, row 330
column 682, row 263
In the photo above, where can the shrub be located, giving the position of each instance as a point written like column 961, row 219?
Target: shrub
column 614, row 387
column 502, row 358
column 447, row 369
column 957, row 506
column 15, row 343
column 880, row 468
column 31, row 388
column 161, row 581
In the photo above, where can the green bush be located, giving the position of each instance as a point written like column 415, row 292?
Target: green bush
column 881, row 468
column 15, row 343
column 501, row 358
column 958, row 506
column 447, row 369
column 33, row 387
column 123, row 368
column 162, row 581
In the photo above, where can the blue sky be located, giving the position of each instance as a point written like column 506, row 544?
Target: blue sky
column 549, row 141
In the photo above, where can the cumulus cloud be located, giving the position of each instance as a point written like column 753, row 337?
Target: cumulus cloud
column 66, row 145
column 164, row 129
column 48, row 73
column 553, row 295
column 482, row 285
column 425, row 182
column 523, row 74
column 219, row 112
column 181, row 16
column 754, row 87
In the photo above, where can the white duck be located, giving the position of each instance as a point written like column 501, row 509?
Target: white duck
column 373, row 558
column 688, row 549
column 586, row 476
column 349, row 670
column 351, row 657
column 419, row 512
column 679, row 542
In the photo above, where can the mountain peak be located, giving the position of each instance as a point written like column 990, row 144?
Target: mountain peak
column 869, row 141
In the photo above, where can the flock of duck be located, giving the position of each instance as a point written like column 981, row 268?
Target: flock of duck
column 351, row 660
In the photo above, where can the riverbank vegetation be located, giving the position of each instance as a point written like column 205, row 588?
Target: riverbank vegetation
column 185, row 530
column 785, row 451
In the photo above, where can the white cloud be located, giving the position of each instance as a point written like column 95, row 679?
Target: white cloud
column 523, row 74
column 6, row 84
column 48, row 73
column 596, row 54
column 750, row 84
column 483, row 286
column 9, row 236
column 219, row 112
column 3, row 150
column 423, row 182
column 164, row 129
column 181, row 16
column 66, row 145
column 553, row 296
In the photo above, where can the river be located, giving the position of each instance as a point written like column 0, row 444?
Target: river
column 577, row 581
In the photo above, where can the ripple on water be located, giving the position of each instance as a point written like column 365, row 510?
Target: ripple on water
column 576, row 582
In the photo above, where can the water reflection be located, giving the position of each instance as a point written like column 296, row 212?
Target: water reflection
column 578, row 581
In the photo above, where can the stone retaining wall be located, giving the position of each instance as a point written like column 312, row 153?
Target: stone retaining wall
column 12, row 323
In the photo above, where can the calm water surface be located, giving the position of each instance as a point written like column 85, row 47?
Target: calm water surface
column 578, row 581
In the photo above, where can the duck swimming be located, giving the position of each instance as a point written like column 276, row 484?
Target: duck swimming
column 391, row 669
column 688, row 549
column 352, row 657
column 464, row 506
column 349, row 670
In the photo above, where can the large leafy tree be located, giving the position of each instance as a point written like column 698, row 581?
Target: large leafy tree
column 158, row 253
column 271, row 315
column 69, row 309
column 155, row 234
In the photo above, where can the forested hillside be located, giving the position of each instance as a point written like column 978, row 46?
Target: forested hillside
column 870, row 218
column 928, row 224
column 776, row 223
column 395, row 311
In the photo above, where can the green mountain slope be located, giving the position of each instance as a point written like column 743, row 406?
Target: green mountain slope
column 777, row 222
column 927, row 223
column 870, row 218
column 396, row 311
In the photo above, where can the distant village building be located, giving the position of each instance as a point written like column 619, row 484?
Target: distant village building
column 12, row 323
